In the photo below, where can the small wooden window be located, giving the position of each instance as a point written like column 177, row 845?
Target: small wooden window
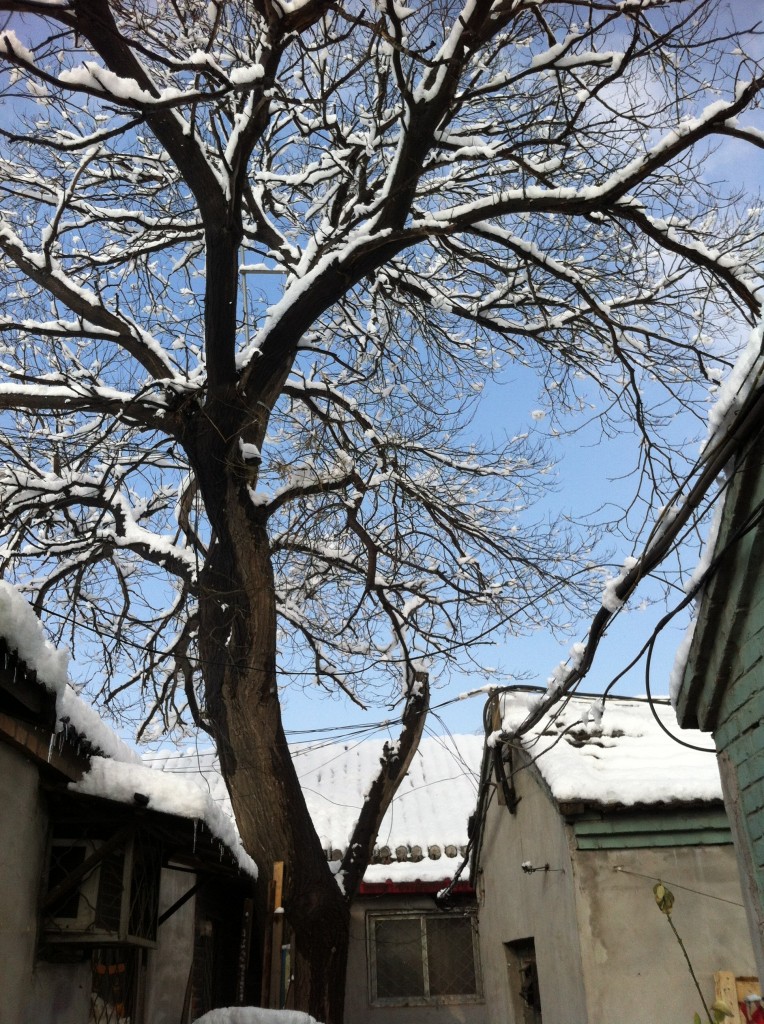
column 523, row 979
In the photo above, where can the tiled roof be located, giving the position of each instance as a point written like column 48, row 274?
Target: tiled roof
column 424, row 833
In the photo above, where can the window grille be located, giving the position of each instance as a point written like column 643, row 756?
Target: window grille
column 418, row 959
column 115, row 899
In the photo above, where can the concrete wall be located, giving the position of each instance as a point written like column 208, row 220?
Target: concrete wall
column 169, row 965
column 59, row 994
column 605, row 953
column 515, row 905
column 31, row 992
column 357, row 1002
column 36, row 992
column 633, row 967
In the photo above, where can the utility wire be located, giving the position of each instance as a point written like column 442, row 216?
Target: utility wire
column 675, row 885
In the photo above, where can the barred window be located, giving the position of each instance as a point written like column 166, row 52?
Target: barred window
column 416, row 959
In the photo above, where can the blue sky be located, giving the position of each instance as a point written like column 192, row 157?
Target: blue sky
column 587, row 478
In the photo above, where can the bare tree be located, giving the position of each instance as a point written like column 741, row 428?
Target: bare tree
column 444, row 190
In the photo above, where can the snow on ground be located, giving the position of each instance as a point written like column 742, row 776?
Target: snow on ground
column 255, row 1015
column 625, row 758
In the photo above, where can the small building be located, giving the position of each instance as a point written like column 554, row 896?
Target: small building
column 412, row 957
column 720, row 686
column 126, row 894
column 575, row 826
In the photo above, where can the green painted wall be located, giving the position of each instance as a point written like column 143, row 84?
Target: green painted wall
column 722, row 689
column 683, row 827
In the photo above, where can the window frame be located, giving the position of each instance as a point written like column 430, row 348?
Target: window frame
column 422, row 916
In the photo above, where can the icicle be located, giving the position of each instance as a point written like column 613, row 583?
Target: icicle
column 196, row 822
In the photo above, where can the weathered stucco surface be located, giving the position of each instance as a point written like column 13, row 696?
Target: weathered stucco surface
column 605, row 953
column 31, row 992
column 516, row 905
column 168, row 967
column 357, row 1005
column 633, row 967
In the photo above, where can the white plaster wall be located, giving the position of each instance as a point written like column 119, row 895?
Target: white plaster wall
column 633, row 966
column 169, row 965
column 514, row 905
column 357, row 1008
column 31, row 992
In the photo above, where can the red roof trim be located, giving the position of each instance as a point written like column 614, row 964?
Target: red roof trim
column 391, row 888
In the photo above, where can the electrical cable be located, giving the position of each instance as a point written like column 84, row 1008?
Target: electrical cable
column 676, row 885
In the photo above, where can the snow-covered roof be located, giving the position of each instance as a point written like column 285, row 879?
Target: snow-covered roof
column 121, row 773
column 183, row 797
column 23, row 633
column 619, row 758
column 424, row 832
column 427, row 818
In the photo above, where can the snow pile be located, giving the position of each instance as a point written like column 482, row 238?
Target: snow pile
column 255, row 1015
column 617, row 757
column 167, row 793
column 24, row 634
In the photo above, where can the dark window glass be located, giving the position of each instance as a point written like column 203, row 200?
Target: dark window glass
column 450, row 956
column 424, row 958
column 399, row 957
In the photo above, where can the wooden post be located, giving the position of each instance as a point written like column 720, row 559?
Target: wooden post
column 277, row 936
column 734, row 992
column 271, row 981
column 725, row 988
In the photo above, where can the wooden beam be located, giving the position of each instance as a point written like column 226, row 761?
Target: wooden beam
column 39, row 743
column 182, row 901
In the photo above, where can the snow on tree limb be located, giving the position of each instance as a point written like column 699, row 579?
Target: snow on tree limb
column 741, row 423
column 447, row 192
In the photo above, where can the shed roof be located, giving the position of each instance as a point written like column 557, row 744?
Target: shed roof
column 119, row 775
column 621, row 758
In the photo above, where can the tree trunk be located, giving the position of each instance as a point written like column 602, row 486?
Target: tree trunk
column 237, row 611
